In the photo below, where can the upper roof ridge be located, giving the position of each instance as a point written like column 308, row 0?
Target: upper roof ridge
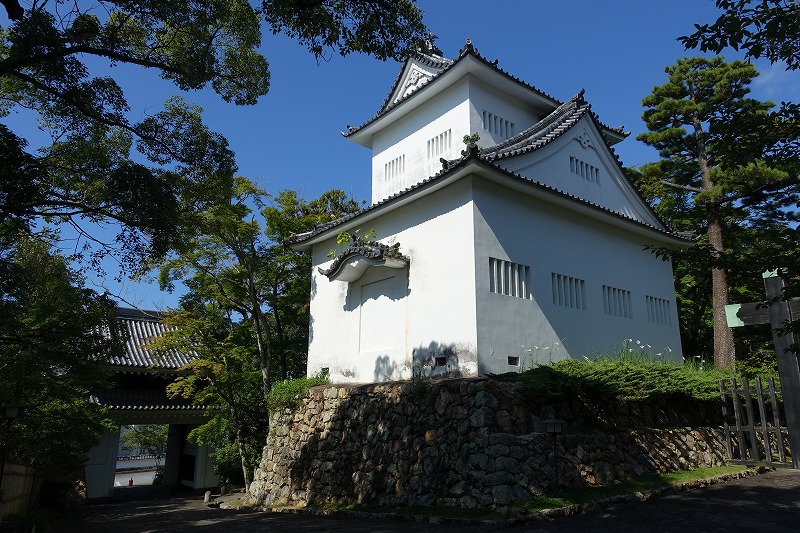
column 444, row 65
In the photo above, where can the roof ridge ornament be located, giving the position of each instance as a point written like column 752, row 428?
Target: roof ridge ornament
column 428, row 45
column 471, row 149
column 467, row 47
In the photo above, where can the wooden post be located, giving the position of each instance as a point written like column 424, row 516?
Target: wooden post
column 788, row 367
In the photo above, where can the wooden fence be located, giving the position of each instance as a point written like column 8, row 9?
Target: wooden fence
column 21, row 487
column 754, row 432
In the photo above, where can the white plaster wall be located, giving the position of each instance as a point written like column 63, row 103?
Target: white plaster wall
column 101, row 465
column 460, row 109
column 551, row 165
column 524, row 230
column 409, row 136
column 483, row 97
column 204, row 475
column 437, row 316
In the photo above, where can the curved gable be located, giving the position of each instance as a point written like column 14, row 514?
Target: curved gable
column 575, row 159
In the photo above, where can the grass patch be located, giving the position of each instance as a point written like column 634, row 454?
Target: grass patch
column 630, row 486
column 291, row 392
column 625, row 378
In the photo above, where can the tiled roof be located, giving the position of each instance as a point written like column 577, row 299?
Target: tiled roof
column 469, row 156
column 148, row 400
column 543, row 132
column 370, row 249
column 141, row 327
column 467, row 51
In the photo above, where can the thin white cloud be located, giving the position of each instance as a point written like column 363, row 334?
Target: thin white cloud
column 776, row 83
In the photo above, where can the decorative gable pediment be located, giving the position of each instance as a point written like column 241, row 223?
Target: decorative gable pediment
column 416, row 78
column 572, row 157
column 417, row 72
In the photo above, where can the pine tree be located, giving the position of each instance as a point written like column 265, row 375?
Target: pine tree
column 694, row 120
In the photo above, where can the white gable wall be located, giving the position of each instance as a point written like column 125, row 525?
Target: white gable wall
column 591, row 174
column 493, row 114
column 404, row 146
column 409, row 151
column 363, row 334
column 549, row 240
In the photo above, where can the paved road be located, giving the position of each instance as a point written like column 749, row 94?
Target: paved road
column 139, row 478
column 770, row 502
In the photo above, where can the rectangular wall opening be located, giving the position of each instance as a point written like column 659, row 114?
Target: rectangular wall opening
column 510, row 279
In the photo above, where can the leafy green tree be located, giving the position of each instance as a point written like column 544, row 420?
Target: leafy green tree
column 768, row 29
column 692, row 121
column 148, row 438
column 147, row 177
column 761, row 28
column 246, row 308
column 249, row 270
column 288, row 275
column 52, row 350
column 225, row 374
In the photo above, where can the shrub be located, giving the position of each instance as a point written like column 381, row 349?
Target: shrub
column 289, row 393
column 625, row 379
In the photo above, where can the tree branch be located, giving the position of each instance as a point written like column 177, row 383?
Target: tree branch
column 92, row 114
column 681, row 187
column 9, row 66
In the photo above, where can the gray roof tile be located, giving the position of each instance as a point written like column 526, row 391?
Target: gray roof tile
column 140, row 328
column 152, row 400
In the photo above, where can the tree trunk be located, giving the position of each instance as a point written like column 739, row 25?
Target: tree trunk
column 261, row 329
column 723, row 336
column 279, row 333
column 243, row 456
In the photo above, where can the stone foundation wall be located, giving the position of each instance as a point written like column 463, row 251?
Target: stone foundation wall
column 468, row 443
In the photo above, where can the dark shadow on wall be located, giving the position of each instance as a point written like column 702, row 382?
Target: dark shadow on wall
column 311, row 316
column 394, row 291
column 444, row 360
column 386, row 369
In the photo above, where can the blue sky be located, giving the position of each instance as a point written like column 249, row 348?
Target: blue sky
column 615, row 50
